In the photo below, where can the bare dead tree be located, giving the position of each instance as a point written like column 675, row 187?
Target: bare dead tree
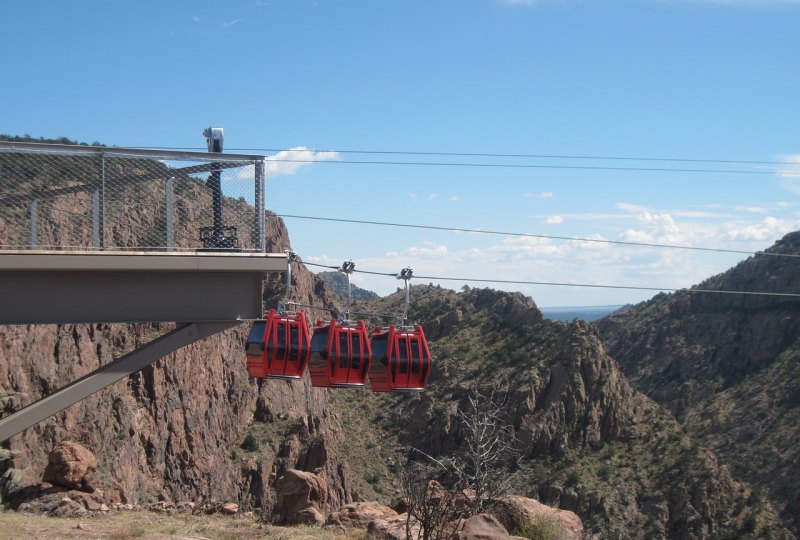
column 471, row 479
column 430, row 507
column 486, row 463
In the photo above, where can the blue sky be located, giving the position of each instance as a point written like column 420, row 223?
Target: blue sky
column 687, row 79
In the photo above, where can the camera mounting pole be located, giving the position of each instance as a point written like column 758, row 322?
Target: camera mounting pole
column 217, row 237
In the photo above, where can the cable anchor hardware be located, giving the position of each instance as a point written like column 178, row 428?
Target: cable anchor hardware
column 405, row 274
column 291, row 257
column 347, row 268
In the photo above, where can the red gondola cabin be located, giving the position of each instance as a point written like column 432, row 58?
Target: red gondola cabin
column 400, row 359
column 278, row 346
column 340, row 354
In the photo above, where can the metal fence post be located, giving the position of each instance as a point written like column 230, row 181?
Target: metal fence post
column 33, row 232
column 260, row 241
column 170, row 203
column 98, row 208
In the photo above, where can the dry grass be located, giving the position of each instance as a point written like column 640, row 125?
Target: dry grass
column 148, row 525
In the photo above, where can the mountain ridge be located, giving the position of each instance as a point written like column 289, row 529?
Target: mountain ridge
column 726, row 366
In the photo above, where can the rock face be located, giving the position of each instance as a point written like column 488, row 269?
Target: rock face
column 173, row 431
column 727, row 366
column 71, row 465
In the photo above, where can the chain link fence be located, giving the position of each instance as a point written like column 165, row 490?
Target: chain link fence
column 72, row 197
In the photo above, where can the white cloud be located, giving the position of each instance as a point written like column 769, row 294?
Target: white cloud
column 412, row 195
column 453, row 198
column 554, row 220
column 587, row 216
column 680, row 212
column 196, row 19
column 542, row 195
column 751, row 209
column 232, row 23
column 427, row 250
column 769, row 229
column 288, row 162
column 790, row 174
column 632, row 208
column 433, row 196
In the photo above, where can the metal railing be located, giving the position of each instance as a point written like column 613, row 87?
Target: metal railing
column 75, row 197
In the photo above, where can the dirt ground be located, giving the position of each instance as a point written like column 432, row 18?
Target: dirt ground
column 147, row 525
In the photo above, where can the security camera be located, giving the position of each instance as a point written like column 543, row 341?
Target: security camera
column 214, row 138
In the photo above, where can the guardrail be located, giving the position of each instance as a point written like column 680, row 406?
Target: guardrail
column 75, row 197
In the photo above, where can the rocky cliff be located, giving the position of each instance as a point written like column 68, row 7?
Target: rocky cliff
column 589, row 441
column 173, row 431
column 726, row 365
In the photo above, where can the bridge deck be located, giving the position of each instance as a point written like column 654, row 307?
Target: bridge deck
column 42, row 287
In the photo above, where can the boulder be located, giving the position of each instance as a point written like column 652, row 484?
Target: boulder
column 309, row 516
column 71, row 465
column 359, row 514
column 229, row 509
column 482, row 527
column 298, row 490
column 515, row 512
column 53, row 501
column 392, row 528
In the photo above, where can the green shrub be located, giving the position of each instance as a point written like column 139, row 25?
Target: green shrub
column 541, row 528
column 250, row 443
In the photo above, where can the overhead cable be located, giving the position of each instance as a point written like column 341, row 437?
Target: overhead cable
column 523, row 166
column 506, row 155
column 543, row 236
column 582, row 285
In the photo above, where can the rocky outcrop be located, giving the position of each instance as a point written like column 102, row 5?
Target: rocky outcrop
column 56, row 501
column 521, row 513
column 589, row 442
column 483, row 527
column 726, row 365
column 71, row 465
column 360, row 514
column 302, row 498
column 398, row 527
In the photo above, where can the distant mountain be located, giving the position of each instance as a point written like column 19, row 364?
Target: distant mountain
column 584, row 313
column 337, row 282
column 728, row 366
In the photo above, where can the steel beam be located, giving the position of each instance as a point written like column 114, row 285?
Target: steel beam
column 105, row 287
column 107, row 375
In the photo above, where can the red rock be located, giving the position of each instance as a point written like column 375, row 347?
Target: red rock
column 360, row 514
column 310, row 516
column 297, row 491
column 68, row 464
column 393, row 528
column 229, row 509
column 514, row 512
column 482, row 527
